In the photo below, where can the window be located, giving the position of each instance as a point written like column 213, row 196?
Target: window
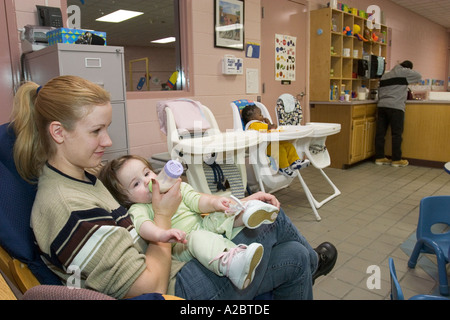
column 151, row 65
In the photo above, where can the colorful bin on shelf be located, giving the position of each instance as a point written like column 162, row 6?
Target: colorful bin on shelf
column 67, row 35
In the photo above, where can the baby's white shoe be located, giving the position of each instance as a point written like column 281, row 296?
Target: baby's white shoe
column 257, row 212
column 239, row 264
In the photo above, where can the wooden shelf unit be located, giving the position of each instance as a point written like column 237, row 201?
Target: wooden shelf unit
column 328, row 65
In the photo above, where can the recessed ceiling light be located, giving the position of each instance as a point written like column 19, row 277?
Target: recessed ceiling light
column 119, row 16
column 165, row 40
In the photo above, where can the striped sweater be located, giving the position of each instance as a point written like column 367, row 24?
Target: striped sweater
column 84, row 235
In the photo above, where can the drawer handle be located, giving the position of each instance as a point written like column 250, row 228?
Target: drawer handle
column 93, row 62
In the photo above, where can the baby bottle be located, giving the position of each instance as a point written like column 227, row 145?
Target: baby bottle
column 168, row 175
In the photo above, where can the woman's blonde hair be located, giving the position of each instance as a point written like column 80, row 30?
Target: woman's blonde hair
column 66, row 99
column 108, row 175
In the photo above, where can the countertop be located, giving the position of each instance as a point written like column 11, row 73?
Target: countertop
column 345, row 103
column 428, row 102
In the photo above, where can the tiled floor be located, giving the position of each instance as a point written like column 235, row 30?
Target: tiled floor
column 369, row 222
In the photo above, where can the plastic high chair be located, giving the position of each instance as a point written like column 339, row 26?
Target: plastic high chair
column 266, row 174
column 289, row 113
column 194, row 138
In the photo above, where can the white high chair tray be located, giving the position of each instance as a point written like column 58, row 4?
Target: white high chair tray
column 221, row 142
column 287, row 133
column 322, row 129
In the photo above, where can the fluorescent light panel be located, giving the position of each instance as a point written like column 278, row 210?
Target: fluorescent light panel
column 119, row 16
column 165, row 40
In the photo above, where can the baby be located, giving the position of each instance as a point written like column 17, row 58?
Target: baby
column 207, row 239
column 287, row 157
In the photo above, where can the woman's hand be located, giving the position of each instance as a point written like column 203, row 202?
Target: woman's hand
column 266, row 197
column 166, row 204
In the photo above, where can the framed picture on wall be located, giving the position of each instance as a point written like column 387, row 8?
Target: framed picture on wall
column 229, row 24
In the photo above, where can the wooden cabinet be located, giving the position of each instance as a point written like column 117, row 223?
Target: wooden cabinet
column 425, row 138
column 334, row 56
column 356, row 141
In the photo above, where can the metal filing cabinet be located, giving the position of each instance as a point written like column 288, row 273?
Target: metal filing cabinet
column 103, row 65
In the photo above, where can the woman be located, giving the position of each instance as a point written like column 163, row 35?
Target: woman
column 82, row 231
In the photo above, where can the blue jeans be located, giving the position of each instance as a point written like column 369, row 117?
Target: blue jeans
column 285, row 270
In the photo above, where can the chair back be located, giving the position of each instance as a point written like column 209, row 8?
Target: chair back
column 288, row 110
column 16, row 200
column 238, row 105
column 181, row 118
column 434, row 210
column 396, row 290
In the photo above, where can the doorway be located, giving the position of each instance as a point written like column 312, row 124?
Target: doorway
column 289, row 18
column 6, row 80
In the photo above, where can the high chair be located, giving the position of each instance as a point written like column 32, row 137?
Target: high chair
column 266, row 173
column 194, row 138
column 289, row 113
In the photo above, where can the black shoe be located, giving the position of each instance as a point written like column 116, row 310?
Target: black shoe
column 327, row 259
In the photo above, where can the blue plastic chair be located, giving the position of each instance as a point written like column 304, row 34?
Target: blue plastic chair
column 396, row 290
column 434, row 210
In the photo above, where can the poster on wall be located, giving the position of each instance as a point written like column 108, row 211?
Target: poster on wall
column 285, row 53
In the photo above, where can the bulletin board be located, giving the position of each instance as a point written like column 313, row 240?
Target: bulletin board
column 285, row 54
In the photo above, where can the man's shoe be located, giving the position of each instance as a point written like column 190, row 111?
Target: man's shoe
column 382, row 161
column 327, row 259
column 400, row 163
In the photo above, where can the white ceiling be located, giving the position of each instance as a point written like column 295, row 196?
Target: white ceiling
column 154, row 24
column 437, row 11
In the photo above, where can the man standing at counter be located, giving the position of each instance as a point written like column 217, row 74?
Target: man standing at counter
column 392, row 96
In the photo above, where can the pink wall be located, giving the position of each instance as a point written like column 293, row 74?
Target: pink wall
column 209, row 86
column 216, row 91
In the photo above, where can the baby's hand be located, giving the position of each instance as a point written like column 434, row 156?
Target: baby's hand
column 222, row 204
column 173, row 236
